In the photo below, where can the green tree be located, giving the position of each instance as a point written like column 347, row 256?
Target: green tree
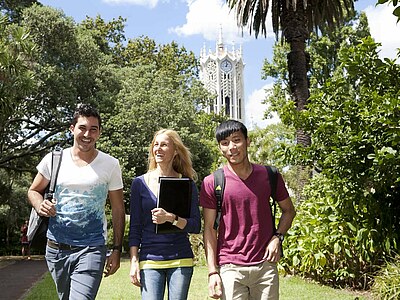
column 14, row 209
column 69, row 68
column 13, row 8
column 295, row 19
column 47, row 65
column 323, row 51
column 109, row 36
column 350, row 222
column 17, row 52
column 268, row 143
column 324, row 61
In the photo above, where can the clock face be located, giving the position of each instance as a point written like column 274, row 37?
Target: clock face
column 226, row 65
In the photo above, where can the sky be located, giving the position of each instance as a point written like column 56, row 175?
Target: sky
column 196, row 23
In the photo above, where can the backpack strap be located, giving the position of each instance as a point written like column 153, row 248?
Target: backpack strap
column 56, row 158
column 273, row 176
column 219, row 186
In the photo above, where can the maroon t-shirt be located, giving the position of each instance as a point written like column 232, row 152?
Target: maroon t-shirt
column 246, row 226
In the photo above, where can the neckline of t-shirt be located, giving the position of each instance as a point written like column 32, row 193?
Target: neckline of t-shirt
column 89, row 164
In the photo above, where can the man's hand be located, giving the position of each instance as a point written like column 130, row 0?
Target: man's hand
column 273, row 250
column 47, row 208
column 214, row 286
column 112, row 263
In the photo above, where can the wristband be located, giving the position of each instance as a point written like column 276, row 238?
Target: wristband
column 117, row 247
column 280, row 236
column 213, row 273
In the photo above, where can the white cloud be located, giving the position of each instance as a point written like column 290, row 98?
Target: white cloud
column 206, row 17
column 254, row 109
column 384, row 29
column 147, row 3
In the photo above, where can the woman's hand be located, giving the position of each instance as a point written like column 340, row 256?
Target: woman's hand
column 160, row 216
column 134, row 273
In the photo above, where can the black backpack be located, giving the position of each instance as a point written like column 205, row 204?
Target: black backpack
column 219, row 186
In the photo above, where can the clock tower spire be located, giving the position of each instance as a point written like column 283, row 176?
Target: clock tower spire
column 222, row 75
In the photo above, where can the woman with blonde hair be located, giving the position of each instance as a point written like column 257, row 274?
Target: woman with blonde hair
column 158, row 260
column 182, row 162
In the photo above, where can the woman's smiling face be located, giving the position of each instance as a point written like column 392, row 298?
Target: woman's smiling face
column 163, row 149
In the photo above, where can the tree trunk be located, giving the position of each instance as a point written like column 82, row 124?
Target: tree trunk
column 295, row 32
column 294, row 24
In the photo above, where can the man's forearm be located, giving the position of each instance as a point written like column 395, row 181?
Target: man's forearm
column 285, row 222
column 210, row 245
column 286, row 219
column 35, row 199
column 118, row 220
column 118, row 215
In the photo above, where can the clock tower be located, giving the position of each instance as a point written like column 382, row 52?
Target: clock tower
column 221, row 72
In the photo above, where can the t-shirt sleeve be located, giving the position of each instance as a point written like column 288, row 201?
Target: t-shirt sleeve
column 44, row 166
column 116, row 178
column 281, row 190
column 207, row 196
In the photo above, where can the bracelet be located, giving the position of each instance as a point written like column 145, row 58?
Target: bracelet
column 175, row 222
column 213, row 273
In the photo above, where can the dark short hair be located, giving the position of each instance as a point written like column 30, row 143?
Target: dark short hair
column 85, row 110
column 226, row 128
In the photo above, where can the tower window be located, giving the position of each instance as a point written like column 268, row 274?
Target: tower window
column 227, row 106
column 240, row 108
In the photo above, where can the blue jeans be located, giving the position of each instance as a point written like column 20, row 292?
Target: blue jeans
column 77, row 273
column 177, row 279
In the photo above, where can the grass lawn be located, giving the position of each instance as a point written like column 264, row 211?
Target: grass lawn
column 118, row 287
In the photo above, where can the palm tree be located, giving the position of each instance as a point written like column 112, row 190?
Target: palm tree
column 295, row 19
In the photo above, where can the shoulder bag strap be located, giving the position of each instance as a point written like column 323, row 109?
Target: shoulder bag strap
column 55, row 167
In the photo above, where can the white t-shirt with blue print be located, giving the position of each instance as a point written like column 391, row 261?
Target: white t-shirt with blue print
column 81, row 194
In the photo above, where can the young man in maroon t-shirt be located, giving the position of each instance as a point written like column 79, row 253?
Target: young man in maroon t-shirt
column 243, row 252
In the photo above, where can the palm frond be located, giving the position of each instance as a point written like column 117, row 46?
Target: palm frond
column 319, row 14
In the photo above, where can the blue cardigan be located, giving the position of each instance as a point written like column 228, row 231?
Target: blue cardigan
column 152, row 246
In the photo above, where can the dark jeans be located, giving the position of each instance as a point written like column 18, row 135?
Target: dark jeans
column 77, row 273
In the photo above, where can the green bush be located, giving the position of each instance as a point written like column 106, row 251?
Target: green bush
column 386, row 284
column 335, row 239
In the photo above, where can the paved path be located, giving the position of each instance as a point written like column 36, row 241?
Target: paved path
column 17, row 276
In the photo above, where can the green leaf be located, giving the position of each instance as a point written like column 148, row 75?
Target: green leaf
column 337, row 248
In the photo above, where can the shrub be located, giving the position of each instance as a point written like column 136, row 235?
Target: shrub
column 386, row 284
column 338, row 237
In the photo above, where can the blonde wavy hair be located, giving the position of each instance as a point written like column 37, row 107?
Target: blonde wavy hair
column 182, row 162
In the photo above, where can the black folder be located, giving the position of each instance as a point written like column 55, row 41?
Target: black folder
column 175, row 196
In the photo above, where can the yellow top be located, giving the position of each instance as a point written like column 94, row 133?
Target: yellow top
column 166, row 264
